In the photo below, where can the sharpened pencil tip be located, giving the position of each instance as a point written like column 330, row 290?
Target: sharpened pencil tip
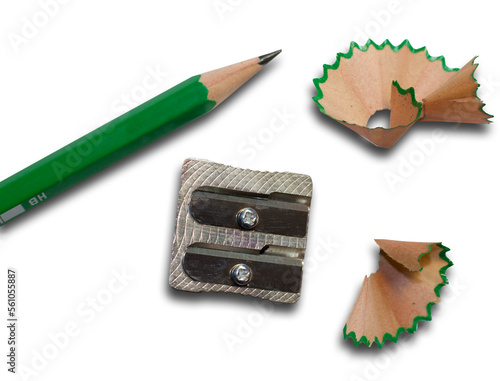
column 266, row 58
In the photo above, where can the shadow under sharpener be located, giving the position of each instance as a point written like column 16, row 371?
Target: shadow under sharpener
column 240, row 231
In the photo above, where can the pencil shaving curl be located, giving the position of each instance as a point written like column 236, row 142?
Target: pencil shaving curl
column 400, row 294
column 411, row 83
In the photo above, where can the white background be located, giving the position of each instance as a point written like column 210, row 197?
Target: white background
column 71, row 76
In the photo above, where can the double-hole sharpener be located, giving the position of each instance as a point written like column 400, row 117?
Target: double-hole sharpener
column 240, row 231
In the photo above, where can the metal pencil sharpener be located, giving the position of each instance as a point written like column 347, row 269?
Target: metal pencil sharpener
column 240, row 231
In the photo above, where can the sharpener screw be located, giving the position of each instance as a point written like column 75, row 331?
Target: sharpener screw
column 241, row 274
column 247, row 218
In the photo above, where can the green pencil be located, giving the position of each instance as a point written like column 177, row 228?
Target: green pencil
column 122, row 136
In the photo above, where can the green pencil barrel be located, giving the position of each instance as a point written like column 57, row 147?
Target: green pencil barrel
column 103, row 147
